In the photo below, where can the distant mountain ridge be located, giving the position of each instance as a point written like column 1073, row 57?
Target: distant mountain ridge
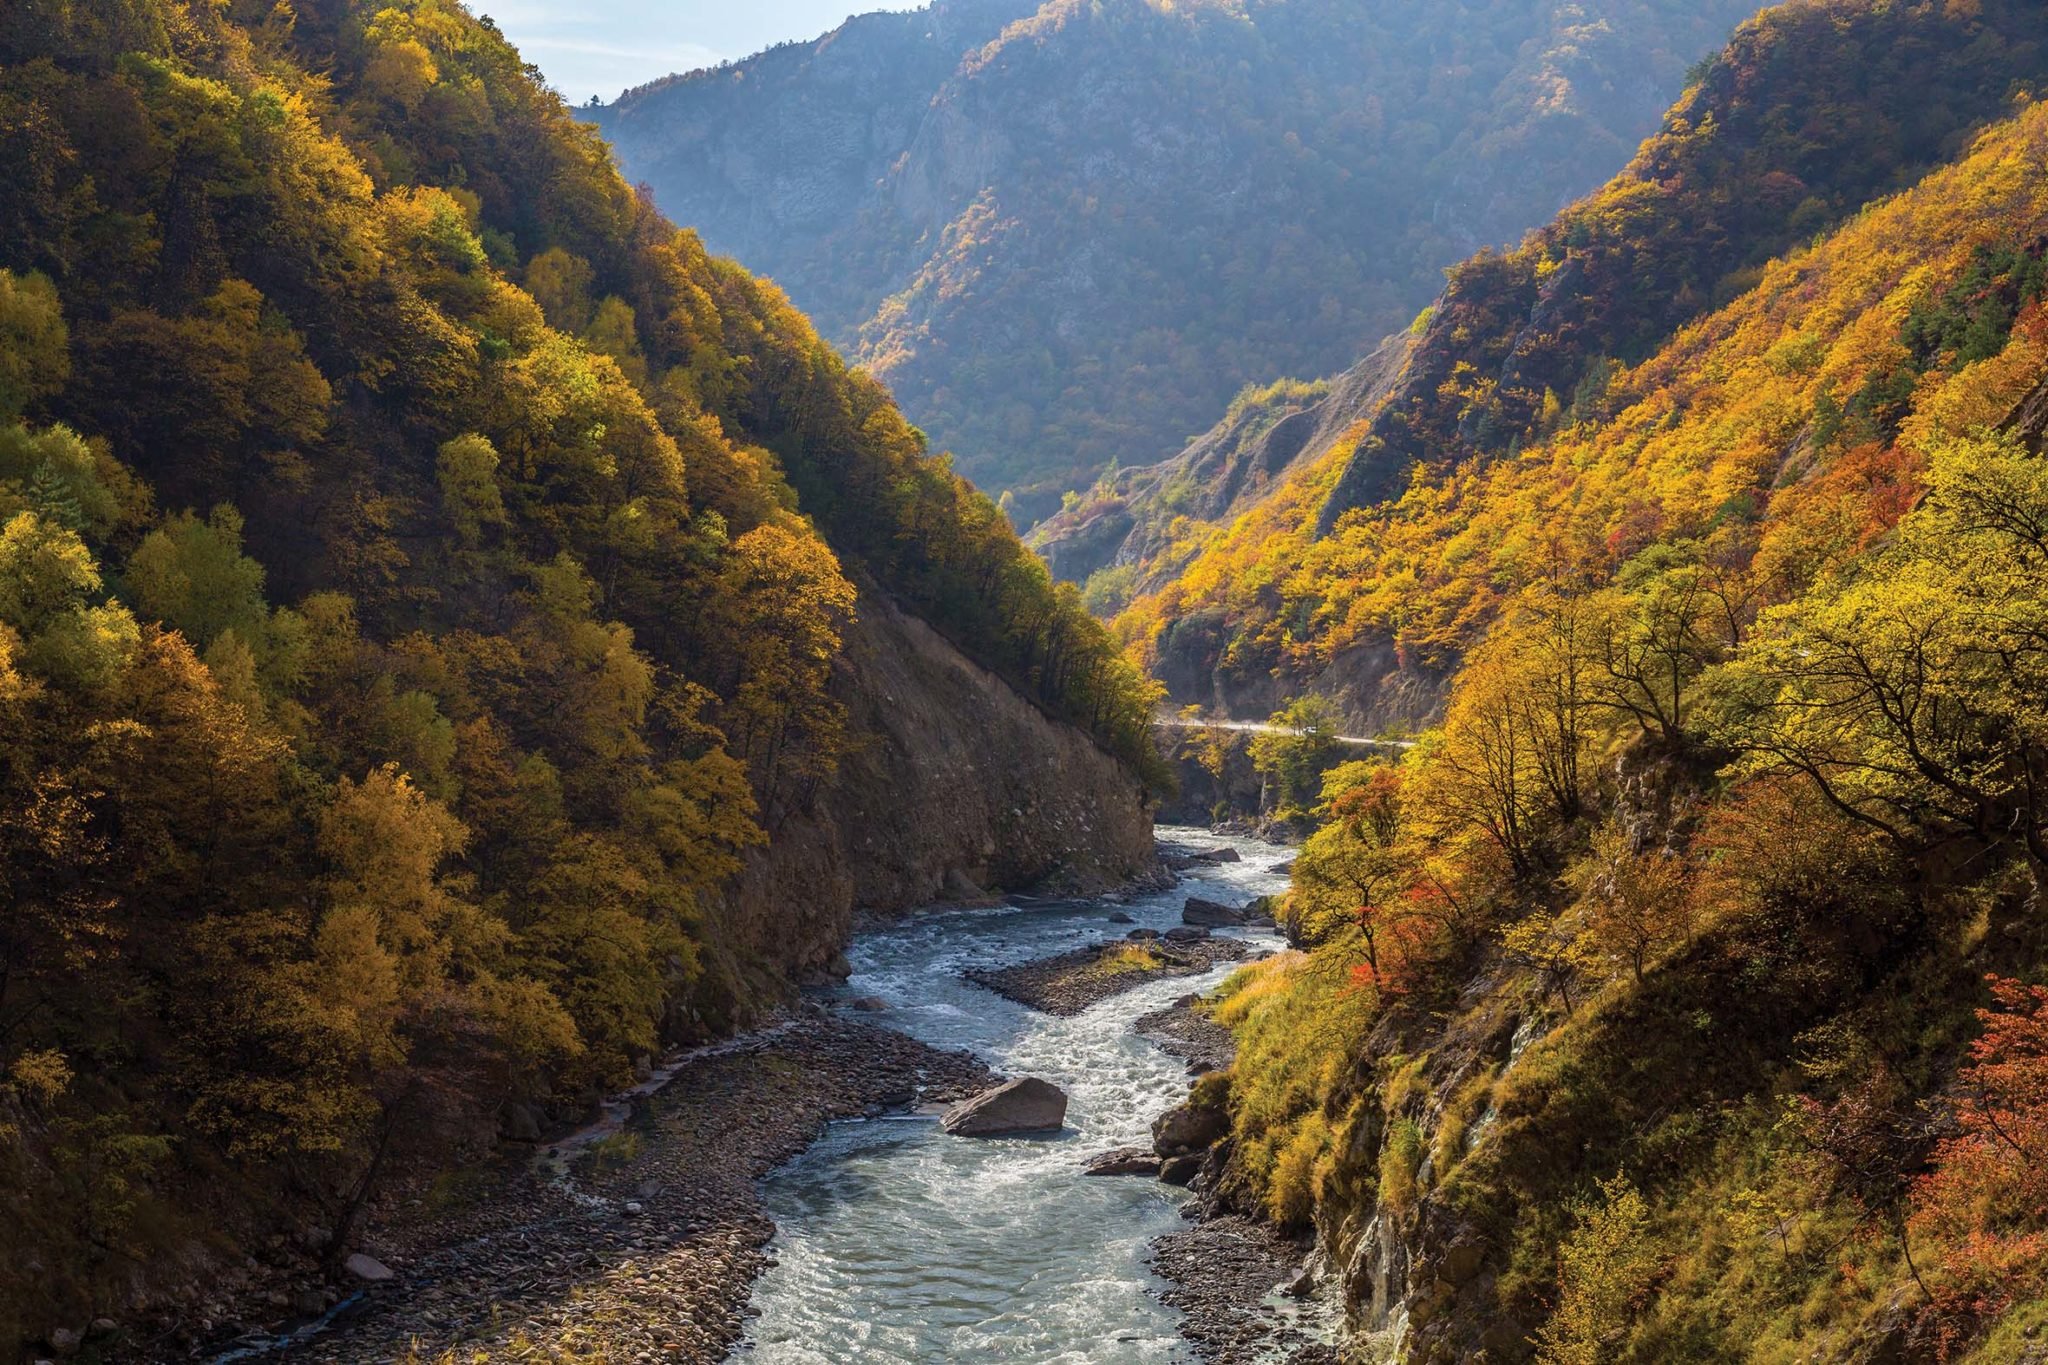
column 1066, row 236
column 1816, row 108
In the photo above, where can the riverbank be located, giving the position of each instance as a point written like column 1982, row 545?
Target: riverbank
column 648, row 1246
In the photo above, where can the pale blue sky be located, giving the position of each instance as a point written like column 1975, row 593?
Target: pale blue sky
column 600, row 47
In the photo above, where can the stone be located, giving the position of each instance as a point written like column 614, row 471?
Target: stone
column 1185, row 933
column 1216, row 855
column 103, row 1327
column 634, row 1208
column 1285, row 869
column 1025, row 1105
column 1123, row 1161
column 309, row 1303
column 1462, row 1260
column 64, row 1341
column 1302, row 1285
column 1179, row 1170
column 519, row 1123
column 870, row 1004
column 1210, row 914
column 1119, row 917
column 1142, row 935
column 367, row 1268
column 1186, row 1128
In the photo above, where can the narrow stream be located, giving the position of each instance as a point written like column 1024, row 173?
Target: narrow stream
column 898, row 1243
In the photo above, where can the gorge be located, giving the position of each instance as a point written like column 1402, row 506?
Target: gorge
column 543, row 818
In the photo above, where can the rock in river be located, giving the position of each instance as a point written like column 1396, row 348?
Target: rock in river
column 1025, row 1105
column 1123, row 1161
column 1210, row 914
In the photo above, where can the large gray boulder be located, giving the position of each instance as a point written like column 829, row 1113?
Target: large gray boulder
column 1187, row 1128
column 1025, row 1105
column 1204, row 914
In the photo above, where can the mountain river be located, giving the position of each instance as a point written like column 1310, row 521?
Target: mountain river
column 898, row 1243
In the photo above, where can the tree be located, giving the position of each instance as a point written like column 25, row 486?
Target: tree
column 1605, row 1270
column 1985, row 1200
column 1637, row 901
column 1910, row 693
column 1291, row 756
column 35, row 358
column 785, row 606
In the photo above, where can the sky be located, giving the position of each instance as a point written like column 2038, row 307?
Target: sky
column 600, row 47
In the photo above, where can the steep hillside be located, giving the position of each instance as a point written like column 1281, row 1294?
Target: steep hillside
column 1676, row 998
column 1067, row 244
column 455, row 635
column 1814, row 108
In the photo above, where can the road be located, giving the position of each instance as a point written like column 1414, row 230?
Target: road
column 1264, row 727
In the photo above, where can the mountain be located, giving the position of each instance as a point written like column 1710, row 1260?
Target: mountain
column 1066, row 236
column 1261, row 559
column 1676, row 996
column 456, row 637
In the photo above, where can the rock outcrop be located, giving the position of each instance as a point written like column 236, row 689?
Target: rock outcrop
column 1025, row 1105
column 951, row 777
column 1189, row 1128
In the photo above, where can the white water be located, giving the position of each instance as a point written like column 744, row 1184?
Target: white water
column 898, row 1243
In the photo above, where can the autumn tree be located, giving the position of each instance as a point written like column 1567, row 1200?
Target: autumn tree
column 1637, row 901
column 1985, row 1200
column 1605, row 1271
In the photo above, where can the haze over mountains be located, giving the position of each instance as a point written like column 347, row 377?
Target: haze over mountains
column 1066, row 235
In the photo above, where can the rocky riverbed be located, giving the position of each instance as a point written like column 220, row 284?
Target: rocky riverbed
column 1068, row 983
column 1186, row 1030
column 646, row 1249
column 1230, row 1276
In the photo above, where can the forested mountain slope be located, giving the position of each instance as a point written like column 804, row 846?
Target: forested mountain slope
column 454, row 633
column 1231, row 549
column 1676, row 998
column 1066, row 243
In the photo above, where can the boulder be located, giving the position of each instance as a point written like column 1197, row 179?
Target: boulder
column 870, row 1004
column 1186, row 1128
column 1123, row 1161
column 63, row 1341
column 1185, row 933
column 1217, row 855
column 1179, row 1170
column 1285, row 869
column 519, row 1123
column 1025, row 1105
column 1119, row 917
column 367, row 1268
column 1142, row 935
column 1210, row 914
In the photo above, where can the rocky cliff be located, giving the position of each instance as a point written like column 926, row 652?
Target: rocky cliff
column 954, row 787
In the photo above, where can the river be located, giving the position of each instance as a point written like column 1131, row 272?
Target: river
column 898, row 1243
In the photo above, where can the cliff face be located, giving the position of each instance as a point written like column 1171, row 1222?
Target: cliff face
column 954, row 786
column 1066, row 234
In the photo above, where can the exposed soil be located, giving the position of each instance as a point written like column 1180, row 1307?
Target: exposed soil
column 1071, row 982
